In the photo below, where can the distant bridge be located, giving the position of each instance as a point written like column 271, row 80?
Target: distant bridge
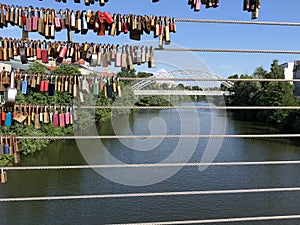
column 180, row 92
column 190, row 75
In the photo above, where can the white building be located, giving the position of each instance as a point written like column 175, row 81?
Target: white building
column 296, row 75
column 288, row 70
column 4, row 66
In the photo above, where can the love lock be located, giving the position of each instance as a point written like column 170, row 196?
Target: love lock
column 11, row 92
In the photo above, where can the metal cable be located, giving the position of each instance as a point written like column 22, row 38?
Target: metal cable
column 109, row 166
column 179, row 107
column 187, row 20
column 209, row 79
column 225, row 220
column 196, row 136
column 187, row 107
column 152, row 194
column 230, row 50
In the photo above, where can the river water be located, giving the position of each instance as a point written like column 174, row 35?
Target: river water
column 151, row 209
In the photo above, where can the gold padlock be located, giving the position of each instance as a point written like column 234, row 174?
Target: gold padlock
column 3, row 176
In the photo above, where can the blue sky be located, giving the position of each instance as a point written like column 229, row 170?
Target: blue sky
column 194, row 35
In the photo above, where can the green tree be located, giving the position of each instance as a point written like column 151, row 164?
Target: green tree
column 180, row 86
column 66, row 69
column 144, row 74
column 267, row 93
column 37, row 67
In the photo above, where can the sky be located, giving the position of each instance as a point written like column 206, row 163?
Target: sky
column 195, row 35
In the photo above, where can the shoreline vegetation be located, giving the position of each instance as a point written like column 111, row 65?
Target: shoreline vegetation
column 246, row 94
column 265, row 93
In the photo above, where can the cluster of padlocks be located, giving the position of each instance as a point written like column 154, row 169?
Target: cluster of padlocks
column 49, row 21
column 36, row 115
column 76, row 85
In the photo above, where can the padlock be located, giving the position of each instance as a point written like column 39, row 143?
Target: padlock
column 96, row 86
column 94, row 58
column 99, row 55
column 152, row 60
column 167, row 38
column 62, row 86
column 16, row 150
column 119, row 88
column 35, row 20
column 46, row 84
column 70, row 84
column 1, row 145
column 46, row 115
column 66, row 85
column 109, row 88
column 41, row 24
column 24, row 85
column 42, row 85
column 29, row 115
column 84, row 24
column 11, row 92
column 138, row 56
column 75, row 86
column 3, row 176
column 61, row 118
column 19, row 116
column 41, row 114
column 8, row 119
column 55, row 118
column 6, row 146
column 67, row 116
column 37, row 124
column 11, row 145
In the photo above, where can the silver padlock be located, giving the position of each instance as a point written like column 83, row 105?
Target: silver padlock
column 11, row 92
column 2, row 99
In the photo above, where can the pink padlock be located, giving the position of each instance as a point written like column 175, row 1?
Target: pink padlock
column 67, row 118
column 55, row 120
column 197, row 6
column 63, row 51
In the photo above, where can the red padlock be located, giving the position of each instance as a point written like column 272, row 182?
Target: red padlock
column 42, row 86
column 3, row 115
column 125, row 28
column 44, row 56
column 108, row 18
column 46, row 86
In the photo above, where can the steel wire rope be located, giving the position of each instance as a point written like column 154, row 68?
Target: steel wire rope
column 259, row 51
column 152, row 194
column 164, row 136
column 237, row 22
column 108, row 166
column 209, row 79
column 180, row 107
column 187, row 107
column 224, row 220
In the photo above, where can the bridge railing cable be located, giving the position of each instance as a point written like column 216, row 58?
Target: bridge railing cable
column 188, row 107
column 152, row 194
column 252, row 51
column 209, row 79
column 171, row 136
column 237, row 22
column 223, row 220
column 154, row 165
